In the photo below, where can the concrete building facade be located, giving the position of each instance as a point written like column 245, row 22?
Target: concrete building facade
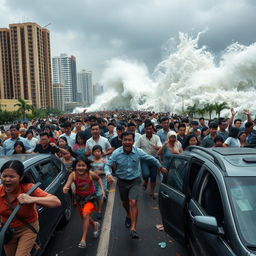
column 85, row 87
column 30, row 59
column 58, row 96
column 64, row 72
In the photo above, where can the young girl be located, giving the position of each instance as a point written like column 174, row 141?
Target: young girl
column 68, row 158
column 84, row 194
column 19, row 148
column 98, row 168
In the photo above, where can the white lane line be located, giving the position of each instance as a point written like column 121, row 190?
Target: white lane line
column 106, row 226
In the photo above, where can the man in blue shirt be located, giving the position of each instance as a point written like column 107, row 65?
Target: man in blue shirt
column 8, row 148
column 162, row 133
column 126, row 160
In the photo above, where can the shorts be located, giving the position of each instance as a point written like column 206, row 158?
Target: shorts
column 97, row 186
column 87, row 209
column 129, row 189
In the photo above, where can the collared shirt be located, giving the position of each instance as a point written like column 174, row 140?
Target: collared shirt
column 71, row 139
column 102, row 141
column 147, row 144
column 127, row 165
column 27, row 212
column 207, row 142
column 163, row 135
column 8, row 146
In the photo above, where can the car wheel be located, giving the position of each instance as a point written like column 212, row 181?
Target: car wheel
column 67, row 214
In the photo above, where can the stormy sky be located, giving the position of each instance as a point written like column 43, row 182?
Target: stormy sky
column 97, row 30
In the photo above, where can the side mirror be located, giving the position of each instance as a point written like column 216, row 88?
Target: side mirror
column 208, row 224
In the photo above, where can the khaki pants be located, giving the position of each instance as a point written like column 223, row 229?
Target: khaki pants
column 22, row 241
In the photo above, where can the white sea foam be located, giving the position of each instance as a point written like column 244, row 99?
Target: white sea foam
column 189, row 75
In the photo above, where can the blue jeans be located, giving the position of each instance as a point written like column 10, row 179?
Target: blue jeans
column 148, row 171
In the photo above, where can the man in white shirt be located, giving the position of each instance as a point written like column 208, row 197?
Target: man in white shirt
column 70, row 136
column 150, row 143
column 97, row 139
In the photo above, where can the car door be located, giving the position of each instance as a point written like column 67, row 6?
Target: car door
column 51, row 178
column 172, row 198
column 207, row 201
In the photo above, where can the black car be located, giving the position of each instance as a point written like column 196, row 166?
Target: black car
column 52, row 174
column 208, row 200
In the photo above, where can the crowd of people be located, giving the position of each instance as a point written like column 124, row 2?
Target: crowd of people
column 96, row 147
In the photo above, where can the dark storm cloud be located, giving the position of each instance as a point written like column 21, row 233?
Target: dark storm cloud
column 97, row 30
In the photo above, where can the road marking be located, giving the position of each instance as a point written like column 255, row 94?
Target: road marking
column 106, row 226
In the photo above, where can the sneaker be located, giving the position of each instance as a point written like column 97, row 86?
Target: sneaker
column 96, row 232
column 82, row 245
column 128, row 222
column 134, row 234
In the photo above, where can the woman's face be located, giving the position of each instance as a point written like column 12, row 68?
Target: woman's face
column 81, row 167
column 10, row 180
column 172, row 138
column 193, row 141
column 18, row 149
column 242, row 137
column 80, row 140
column 62, row 143
column 206, row 132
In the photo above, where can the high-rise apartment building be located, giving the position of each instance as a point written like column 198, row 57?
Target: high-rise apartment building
column 6, row 85
column 64, row 72
column 30, row 59
column 58, row 96
column 97, row 90
column 85, row 88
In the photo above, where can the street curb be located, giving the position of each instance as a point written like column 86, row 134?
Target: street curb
column 106, row 225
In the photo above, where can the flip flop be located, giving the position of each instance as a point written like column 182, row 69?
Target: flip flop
column 82, row 244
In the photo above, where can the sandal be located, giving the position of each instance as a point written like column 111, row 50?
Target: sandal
column 82, row 244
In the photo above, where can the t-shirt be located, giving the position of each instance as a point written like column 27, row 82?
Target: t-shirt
column 147, row 144
column 49, row 149
column 232, row 142
column 28, row 211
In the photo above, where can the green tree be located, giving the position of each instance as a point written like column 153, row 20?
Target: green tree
column 209, row 108
column 23, row 106
column 218, row 107
column 192, row 109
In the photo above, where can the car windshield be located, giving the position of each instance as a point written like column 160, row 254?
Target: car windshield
column 242, row 191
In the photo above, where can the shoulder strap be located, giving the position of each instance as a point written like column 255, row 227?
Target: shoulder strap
column 18, row 217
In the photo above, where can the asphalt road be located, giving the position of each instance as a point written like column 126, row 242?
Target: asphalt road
column 64, row 242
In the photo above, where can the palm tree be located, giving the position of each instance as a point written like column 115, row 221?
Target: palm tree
column 192, row 109
column 23, row 107
column 218, row 107
column 209, row 108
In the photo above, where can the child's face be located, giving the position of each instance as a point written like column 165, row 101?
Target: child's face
column 81, row 167
column 97, row 153
column 18, row 149
column 62, row 143
column 66, row 155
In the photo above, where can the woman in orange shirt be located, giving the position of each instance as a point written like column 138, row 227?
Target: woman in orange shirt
column 13, row 191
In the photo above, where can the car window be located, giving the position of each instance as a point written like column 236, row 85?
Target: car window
column 29, row 176
column 210, row 199
column 47, row 173
column 176, row 174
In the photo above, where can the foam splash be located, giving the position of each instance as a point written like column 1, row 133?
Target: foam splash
column 189, row 75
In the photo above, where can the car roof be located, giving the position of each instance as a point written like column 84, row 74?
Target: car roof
column 231, row 161
column 26, row 159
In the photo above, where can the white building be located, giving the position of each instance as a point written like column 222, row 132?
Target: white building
column 58, row 96
column 84, row 88
column 64, row 72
